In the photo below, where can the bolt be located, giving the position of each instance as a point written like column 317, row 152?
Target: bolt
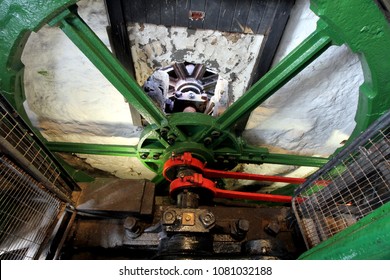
column 132, row 229
column 273, row 228
column 178, row 93
column 192, row 95
column 144, row 155
column 156, row 156
column 207, row 219
column 171, row 139
column 130, row 223
column 204, row 96
column 215, row 134
column 169, row 217
column 164, row 131
column 239, row 228
column 243, row 225
column 207, row 141
column 220, row 158
column 187, row 218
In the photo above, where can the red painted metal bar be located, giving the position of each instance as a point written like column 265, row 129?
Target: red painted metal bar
column 187, row 160
column 253, row 196
column 210, row 173
column 198, row 181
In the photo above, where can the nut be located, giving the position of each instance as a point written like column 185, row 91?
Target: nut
column 169, row 217
column 207, row 219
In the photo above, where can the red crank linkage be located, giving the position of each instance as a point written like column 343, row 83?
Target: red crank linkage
column 198, row 179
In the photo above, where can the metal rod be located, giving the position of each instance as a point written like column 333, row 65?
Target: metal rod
column 66, row 232
column 253, row 196
column 211, row 173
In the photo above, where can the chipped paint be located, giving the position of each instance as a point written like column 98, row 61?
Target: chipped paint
column 232, row 55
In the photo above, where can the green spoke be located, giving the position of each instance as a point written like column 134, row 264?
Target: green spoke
column 93, row 149
column 95, row 50
column 259, row 156
column 290, row 66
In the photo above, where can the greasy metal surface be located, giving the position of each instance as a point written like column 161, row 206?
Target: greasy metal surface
column 122, row 196
column 99, row 235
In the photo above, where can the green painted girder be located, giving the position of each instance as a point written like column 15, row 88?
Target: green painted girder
column 248, row 155
column 312, row 47
column 93, row 48
column 364, row 28
column 93, row 149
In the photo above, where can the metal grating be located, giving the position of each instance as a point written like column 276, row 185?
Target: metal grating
column 21, row 139
column 357, row 181
column 27, row 213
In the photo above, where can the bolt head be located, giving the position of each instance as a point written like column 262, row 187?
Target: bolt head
column 169, row 217
column 144, row 155
column 215, row 134
column 130, row 223
column 207, row 141
column 171, row 139
column 207, row 219
column 164, row 131
column 243, row 225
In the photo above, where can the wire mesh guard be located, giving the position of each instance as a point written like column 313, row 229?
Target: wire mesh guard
column 357, row 181
column 11, row 131
column 27, row 212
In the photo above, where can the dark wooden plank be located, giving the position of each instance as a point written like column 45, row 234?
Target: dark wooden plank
column 181, row 16
column 212, row 14
column 120, row 45
column 226, row 14
column 197, row 7
column 153, row 11
column 256, row 13
column 268, row 17
column 134, row 11
column 268, row 50
column 240, row 18
column 168, row 9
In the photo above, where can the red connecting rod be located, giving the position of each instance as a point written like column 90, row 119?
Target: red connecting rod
column 199, row 179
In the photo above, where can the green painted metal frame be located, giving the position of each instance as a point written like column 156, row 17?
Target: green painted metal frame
column 84, row 38
column 359, row 24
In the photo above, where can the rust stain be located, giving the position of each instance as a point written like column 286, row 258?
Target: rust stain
column 196, row 15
